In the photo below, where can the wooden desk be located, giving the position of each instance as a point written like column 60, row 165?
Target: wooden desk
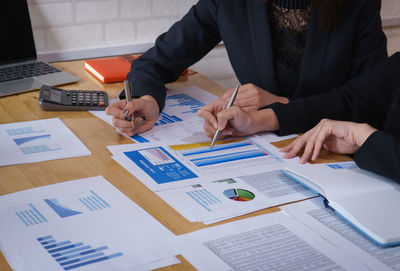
column 96, row 135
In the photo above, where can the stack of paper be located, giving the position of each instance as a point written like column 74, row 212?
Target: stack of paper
column 209, row 185
column 39, row 140
column 84, row 225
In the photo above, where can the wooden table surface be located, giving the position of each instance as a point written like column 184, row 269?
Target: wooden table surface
column 96, row 135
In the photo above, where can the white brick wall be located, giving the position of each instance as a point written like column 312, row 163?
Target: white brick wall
column 67, row 29
column 100, row 23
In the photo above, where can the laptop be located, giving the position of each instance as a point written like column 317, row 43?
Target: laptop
column 20, row 71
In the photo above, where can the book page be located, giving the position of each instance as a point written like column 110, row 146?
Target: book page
column 338, row 182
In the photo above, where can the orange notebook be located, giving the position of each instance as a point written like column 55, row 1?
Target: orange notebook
column 109, row 70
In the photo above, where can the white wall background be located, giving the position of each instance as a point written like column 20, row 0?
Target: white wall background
column 75, row 29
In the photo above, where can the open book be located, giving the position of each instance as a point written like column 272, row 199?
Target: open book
column 367, row 201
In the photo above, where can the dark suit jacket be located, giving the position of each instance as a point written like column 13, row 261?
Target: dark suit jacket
column 355, row 45
column 380, row 153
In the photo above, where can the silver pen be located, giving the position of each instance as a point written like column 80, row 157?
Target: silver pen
column 229, row 104
column 128, row 95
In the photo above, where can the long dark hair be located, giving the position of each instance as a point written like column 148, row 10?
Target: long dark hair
column 329, row 12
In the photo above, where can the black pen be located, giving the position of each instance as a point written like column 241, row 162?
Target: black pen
column 229, row 104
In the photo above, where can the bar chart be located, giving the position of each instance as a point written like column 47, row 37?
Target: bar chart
column 93, row 202
column 70, row 255
column 204, row 198
column 167, row 119
column 222, row 153
column 30, row 215
column 25, row 130
column 35, row 144
column 227, row 157
column 187, row 104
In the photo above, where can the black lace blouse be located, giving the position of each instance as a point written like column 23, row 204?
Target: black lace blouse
column 289, row 27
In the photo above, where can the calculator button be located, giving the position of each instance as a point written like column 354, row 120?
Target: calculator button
column 101, row 103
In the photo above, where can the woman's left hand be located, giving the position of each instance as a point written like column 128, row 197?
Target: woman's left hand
column 342, row 137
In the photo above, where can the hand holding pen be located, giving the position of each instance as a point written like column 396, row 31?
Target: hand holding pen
column 228, row 105
column 128, row 95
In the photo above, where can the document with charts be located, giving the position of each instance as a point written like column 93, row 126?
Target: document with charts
column 162, row 167
column 178, row 122
column 38, row 140
column 266, row 242
column 211, row 201
column 85, row 224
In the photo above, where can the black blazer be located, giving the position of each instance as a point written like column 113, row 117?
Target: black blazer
column 380, row 153
column 355, row 45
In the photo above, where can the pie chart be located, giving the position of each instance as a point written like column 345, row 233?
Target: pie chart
column 239, row 194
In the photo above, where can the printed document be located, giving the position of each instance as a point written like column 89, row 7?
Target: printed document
column 178, row 122
column 267, row 242
column 38, row 140
column 85, row 224
column 213, row 201
column 162, row 167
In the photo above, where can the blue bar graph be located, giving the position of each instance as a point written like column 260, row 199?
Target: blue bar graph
column 55, row 255
column 187, row 101
column 218, row 159
column 70, row 256
column 216, row 148
column 30, row 215
column 24, row 130
column 94, row 202
column 222, row 153
column 139, row 139
column 204, row 198
column 38, row 148
column 166, row 119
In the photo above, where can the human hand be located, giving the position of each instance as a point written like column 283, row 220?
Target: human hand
column 236, row 122
column 251, row 98
column 146, row 113
column 340, row 137
column 209, row 114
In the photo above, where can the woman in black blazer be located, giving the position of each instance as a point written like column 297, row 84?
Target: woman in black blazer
column 293, row 54
column 375, row 150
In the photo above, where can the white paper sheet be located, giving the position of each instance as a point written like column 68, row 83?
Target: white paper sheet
column 331, row 227
column 213, row 201
column 162, row 167
column 268, row 242
column 178, row 123
column 47, row 227
column 38, row 140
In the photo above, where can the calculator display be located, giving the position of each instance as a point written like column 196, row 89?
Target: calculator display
column 55, row 96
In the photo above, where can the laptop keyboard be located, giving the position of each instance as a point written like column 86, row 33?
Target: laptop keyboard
column 25, row 71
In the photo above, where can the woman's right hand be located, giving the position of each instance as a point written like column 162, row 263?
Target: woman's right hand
column 235, row 121
column 342, row 137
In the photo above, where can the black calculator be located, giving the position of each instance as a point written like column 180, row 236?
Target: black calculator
column 55, row 99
